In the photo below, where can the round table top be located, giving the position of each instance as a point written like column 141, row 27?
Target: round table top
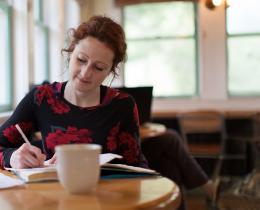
column 135, row 193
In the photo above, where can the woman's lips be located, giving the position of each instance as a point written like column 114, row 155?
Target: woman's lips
column 84, row 81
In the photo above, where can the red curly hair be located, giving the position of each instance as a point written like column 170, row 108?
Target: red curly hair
column 105, row 30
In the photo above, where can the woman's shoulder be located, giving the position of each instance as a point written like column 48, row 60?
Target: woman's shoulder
column 48, row 88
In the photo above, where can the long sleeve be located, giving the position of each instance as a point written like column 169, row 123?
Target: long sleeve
column 10, row 139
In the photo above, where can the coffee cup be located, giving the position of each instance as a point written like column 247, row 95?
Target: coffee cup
column 78, row 167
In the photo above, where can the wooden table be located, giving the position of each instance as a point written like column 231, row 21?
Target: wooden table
column 137, row 193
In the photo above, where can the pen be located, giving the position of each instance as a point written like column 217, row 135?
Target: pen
column 22, row 133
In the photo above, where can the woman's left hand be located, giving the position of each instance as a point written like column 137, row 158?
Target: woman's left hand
column 53, row 160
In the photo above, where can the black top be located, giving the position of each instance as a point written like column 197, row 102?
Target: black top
column 113, row 123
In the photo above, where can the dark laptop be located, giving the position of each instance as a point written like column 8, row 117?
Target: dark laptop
column 143, row 97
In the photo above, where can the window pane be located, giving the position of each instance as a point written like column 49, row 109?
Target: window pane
column 162, row 48
column 5, row 59
column 41, row 54
column 243, row 21
column 168, row 65
column 244, row 65
column 141, row 21
column 243, row 17
column 37, row 10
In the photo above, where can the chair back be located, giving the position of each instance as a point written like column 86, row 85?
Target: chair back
column 207, row 123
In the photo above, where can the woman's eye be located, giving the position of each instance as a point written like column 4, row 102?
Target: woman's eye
column 81, row 60
column 99, row 69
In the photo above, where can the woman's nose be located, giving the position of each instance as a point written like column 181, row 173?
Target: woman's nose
column 86, row 71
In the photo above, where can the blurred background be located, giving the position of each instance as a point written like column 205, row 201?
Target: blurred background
column 195, row 53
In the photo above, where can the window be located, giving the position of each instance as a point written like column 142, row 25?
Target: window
column 5, row 58
column 162, row 48
column 243, row 46
column 41, row 45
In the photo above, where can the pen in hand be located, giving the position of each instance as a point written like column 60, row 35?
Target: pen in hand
column 22, row 134
column 41, row 157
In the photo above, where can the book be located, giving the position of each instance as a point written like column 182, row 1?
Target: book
column 108, row 171
column 45, row 173
column 113, row 171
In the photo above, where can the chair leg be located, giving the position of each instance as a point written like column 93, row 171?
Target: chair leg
column 217, row 171
column 212, row 202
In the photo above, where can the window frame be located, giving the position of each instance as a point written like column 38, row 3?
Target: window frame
column 196, row 51
column 8, row 12
column 39, row 22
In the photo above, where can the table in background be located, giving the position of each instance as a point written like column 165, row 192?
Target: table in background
column 113, row 194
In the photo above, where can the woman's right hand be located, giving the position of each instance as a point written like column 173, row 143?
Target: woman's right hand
column 27, row 156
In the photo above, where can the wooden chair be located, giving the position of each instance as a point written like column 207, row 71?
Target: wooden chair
column 204, row 135
column 203, row 123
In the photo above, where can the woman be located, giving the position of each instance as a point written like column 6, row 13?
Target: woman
column 80, row 110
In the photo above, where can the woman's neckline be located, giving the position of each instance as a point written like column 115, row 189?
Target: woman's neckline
column 103, row 90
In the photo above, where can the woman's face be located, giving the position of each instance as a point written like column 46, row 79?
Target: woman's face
column 90, row 63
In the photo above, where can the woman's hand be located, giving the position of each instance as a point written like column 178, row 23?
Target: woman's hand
column 53, row 160
column 27, row 156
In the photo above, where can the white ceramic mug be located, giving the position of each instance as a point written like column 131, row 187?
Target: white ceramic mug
column 78, row 167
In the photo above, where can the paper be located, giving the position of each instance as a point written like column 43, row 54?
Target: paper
column 107, row 157
column 131, row 168
column 7, row 182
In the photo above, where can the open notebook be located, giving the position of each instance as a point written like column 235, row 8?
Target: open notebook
column 108, row 171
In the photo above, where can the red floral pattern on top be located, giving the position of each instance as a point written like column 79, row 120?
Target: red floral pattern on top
column 71, row 135
column 58, row 87
column 131, row 154
column 112, row 138
column 12, row 134
column 46, row 91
